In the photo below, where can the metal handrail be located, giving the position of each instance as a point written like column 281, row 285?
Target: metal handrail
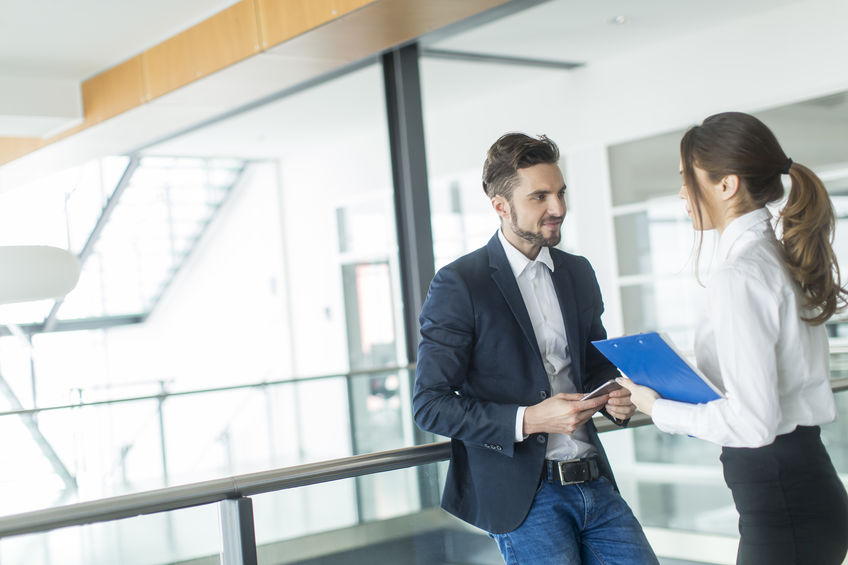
column 834, row 348
column 227, row 388
column 216, row 490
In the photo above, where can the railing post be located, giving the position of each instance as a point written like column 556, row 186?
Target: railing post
column 160, row 401
column 237, row 532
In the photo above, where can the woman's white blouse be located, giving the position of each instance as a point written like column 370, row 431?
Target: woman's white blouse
column 753, row 344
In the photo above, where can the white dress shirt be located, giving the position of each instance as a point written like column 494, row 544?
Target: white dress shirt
column 753, row 343
column 537, row 290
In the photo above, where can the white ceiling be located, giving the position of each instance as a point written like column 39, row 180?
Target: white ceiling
column 48, row 47
column 558, row 30
column 76, row 39
column 584, row 31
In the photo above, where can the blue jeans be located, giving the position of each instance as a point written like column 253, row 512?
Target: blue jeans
column 587, row 523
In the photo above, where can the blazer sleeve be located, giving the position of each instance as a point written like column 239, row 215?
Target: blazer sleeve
column 445, row 357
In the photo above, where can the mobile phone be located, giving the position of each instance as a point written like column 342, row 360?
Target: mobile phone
column 605, row 388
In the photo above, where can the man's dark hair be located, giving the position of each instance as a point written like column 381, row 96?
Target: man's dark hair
column 511, row 152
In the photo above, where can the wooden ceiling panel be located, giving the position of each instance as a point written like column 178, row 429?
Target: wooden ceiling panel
column 213, row 44
column 281, row 20
column 328, row 30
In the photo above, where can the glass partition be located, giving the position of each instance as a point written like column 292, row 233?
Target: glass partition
column 179, row 438
column 169, row 537
column 675, row 488
column 258, row 248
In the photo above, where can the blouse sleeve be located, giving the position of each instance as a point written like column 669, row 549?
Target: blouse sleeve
column 746, row 322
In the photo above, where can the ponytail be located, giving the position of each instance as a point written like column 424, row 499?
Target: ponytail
column 808, row 222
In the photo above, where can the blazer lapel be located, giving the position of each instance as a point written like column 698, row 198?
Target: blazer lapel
column 564, row 286
column 506, row 283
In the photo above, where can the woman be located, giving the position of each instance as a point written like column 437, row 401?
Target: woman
column 764, row 342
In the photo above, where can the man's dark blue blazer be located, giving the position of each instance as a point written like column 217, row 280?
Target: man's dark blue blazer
column 478, row 361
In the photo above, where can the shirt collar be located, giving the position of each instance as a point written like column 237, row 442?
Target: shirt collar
column 739, row 226
column 518, row 261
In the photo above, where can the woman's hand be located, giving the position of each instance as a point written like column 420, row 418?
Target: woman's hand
column 642, row 396
column 619, row 405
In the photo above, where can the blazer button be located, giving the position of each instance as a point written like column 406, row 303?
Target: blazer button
column 543, row 394
column 540, row 438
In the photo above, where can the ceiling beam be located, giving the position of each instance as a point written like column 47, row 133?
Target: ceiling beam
column 346, row 30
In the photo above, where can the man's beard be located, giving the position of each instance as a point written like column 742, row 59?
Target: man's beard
column 532, row 237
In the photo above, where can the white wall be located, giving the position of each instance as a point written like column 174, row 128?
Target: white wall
column 778, row 57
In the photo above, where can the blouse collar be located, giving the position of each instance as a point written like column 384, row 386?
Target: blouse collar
column 738, row 227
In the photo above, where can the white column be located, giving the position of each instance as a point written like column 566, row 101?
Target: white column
column 590, row 229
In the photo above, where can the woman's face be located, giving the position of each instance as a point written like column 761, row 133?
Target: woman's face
column 702, row 221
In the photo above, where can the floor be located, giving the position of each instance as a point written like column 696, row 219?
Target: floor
column 440, row 547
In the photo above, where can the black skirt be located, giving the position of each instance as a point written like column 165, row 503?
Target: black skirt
column 793, row 508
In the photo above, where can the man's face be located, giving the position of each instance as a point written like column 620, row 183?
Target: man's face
column 535, row 213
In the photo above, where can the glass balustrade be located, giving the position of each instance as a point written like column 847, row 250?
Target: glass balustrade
column 674, row 486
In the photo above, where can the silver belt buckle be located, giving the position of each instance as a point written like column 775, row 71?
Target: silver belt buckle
column 562, row 475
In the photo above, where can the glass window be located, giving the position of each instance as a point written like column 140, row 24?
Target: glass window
column 476, row 95
column 260, row 248
column 168, row 537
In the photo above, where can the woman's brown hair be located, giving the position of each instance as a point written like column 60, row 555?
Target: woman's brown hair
column 733, row 143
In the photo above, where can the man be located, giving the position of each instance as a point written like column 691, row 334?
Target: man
column 504, row 358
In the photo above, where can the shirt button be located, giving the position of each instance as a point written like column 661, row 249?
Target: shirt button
column 542, row 394
column 540, row 438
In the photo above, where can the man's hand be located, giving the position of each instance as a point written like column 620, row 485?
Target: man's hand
column 619, row 405
column 642, row 396
column 561, row 414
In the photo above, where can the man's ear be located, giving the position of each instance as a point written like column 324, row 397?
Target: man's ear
column 501, row 206
column 728, row 187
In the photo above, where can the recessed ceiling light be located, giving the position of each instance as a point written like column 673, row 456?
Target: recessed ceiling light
column 618, row 20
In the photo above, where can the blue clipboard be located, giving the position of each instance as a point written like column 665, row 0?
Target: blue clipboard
column 650, row 359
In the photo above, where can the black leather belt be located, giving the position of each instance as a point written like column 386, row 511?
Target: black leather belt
column 571, row 472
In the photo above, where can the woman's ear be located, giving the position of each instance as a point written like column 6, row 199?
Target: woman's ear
column 728, row 187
